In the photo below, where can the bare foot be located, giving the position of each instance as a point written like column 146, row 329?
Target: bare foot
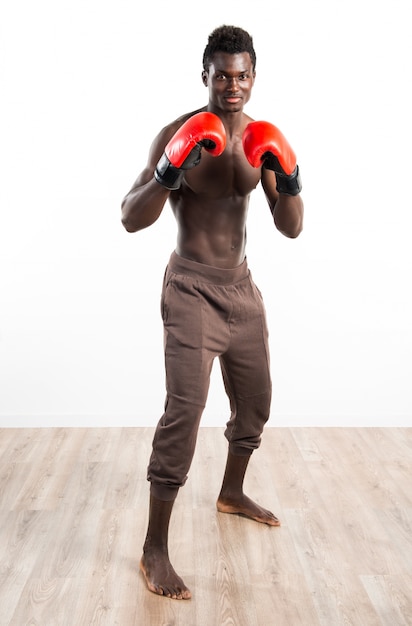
column 245, row 506
column 161, row 578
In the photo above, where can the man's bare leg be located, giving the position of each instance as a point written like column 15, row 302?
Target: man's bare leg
column 233, row 500
column 160, row 576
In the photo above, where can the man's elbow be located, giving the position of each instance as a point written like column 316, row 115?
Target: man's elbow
column 295, row 232
column 125, row 218
column 291, row 230
column 127, row 225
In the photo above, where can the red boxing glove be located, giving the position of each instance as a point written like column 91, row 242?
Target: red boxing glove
column 265, row 145
column 202, row 130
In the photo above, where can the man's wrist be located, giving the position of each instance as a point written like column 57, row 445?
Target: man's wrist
column 289, row 185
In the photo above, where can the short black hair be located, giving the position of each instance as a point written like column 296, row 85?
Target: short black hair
column 230, row 39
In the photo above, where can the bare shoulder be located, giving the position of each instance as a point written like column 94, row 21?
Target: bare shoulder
column 174, row 125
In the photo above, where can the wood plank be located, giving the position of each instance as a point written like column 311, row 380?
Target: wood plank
column 73, row 516
column 391, row 597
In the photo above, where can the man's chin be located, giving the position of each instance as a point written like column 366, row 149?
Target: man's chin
column 234, row 108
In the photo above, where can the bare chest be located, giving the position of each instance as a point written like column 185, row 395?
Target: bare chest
column 225, row 176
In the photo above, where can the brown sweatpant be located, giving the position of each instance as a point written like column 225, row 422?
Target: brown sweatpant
column 209, row 312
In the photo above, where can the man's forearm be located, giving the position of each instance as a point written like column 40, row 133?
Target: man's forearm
column 143, row 205
column 288, row 215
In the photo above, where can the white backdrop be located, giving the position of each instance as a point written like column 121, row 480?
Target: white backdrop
column 85, row 86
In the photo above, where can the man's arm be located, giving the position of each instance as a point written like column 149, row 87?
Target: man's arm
column 167, row 166
column 287, row 210
column 267, row 148
column 144, row 203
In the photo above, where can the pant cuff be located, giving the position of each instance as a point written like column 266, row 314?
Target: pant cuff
column 237, row 450
column 163, row 492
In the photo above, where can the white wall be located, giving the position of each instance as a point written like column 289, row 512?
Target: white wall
column 85, row 87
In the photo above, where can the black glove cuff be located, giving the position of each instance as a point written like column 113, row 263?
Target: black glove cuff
column 289, row 185
column 167, row 174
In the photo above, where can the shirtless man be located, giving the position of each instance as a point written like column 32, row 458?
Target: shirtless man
column 206, row 163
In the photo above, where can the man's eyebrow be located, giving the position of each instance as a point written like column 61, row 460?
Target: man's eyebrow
column 217, row 70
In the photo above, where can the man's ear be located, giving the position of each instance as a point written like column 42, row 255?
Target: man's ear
column 205, row 76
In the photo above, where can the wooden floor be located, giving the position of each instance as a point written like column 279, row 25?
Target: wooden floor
column 73, row 515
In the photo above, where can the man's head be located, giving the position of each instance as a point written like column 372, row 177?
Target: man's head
column 229, row 39
column 229, row 62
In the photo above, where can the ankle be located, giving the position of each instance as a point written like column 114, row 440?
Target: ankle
column 230, row 493
column 150, row 546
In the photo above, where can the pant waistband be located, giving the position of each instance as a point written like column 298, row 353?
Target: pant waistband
column 208, row 273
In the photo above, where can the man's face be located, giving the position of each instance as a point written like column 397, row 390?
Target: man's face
column 230, row 80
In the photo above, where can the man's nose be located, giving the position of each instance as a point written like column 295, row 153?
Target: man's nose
column 233, row 84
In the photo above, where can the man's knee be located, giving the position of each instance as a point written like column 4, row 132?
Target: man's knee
column 246, row 424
